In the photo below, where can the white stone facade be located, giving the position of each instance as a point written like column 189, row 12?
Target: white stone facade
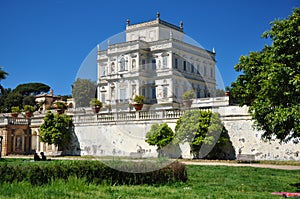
column 155, row 62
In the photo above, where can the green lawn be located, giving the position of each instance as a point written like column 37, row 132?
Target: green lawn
column 203, row 182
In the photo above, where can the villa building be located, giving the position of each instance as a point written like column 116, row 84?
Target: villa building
column 155, row 61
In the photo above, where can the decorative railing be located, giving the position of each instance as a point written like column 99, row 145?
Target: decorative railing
column 89, row 117
column 14, row 121
column 129, row 116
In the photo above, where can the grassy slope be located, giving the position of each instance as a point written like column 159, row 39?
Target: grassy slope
column 204, row 182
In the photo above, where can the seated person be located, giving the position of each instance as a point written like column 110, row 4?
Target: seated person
column 36, row 157
column 43, row 156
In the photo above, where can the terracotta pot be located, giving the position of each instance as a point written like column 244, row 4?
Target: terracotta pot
column 14, row 114
column 28, row 114
column 60, row 111
column 187, row 103
column 138, row 107
column 96, row 109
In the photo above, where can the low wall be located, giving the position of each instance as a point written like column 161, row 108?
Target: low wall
column 123, row 134
column 122, row 137
column 247, row 140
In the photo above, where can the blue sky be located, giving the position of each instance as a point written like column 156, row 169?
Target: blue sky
column 47, row 40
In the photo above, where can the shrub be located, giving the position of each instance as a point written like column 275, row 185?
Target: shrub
column 139, row 99
column 15, row 109
column 61, row 105
column 28, row 108
column 187, row 95
column 95, row 102
column 39, row 173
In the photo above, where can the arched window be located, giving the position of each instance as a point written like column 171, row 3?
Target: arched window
column 112, row 67
column 122, row 64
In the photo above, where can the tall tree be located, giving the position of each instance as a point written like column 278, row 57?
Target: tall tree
column 160, row 135
column 13, row 99
column 3, row 97
column 3, row 75
column 83, row 90
column 32, row 89
column 56, row 129
column 202, row 130
column 270, row 81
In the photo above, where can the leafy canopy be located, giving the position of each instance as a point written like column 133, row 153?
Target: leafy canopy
column 56, row 129
column 32, row 89
column 83, row 90
column 270, row 81
column 200, row 127
column 160, row 135
column 3, row 75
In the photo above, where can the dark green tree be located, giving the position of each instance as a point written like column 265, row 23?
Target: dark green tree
column 56, row 129
column 29, row 100
column 160, row 135
column 3, row 75
column 13, row 99
column 198, row 128
column 32, row 89
column 83, row 90
column 270, row 81
column 3, row 96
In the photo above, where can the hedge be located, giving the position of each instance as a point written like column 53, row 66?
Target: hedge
column 39, row 173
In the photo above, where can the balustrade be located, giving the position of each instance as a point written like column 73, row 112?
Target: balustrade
column 85, row 118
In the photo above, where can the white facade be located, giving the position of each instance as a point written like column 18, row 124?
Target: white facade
column 155, row 62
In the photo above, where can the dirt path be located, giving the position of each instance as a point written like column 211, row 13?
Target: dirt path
column 270, row 166
column 257, row 165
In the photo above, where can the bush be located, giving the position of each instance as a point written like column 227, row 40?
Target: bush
column 188, row 95
column 15, row 109
column 139, row 99
column 39, row 173
column 28, row 108
column 95, row 103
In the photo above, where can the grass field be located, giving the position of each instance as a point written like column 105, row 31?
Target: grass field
column 203, row 182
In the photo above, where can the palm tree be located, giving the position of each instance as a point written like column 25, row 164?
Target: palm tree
column 3, row 75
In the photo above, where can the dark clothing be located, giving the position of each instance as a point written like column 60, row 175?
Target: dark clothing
column 43, row 156
column 36, row 157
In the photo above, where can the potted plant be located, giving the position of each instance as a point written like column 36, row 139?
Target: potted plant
column 138, row 102
column 96, row 105
column 227, row 91
column 60, row 107
column 187, row 98
column 28, row 109
column 15, row 110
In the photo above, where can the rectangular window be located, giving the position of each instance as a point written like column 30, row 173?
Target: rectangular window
column 143, row 64
column 211, row 73
column 103, row 97
column 204, row 70
column 103, row 71
column 192, row 68
column 153, row 64
column 184, row 65
column 122, row 94
column 165, row 92
column 153, row 93
column 198, row 93
column 144, row 92
column 176, row 63
column 165, row 62
column 176, row 92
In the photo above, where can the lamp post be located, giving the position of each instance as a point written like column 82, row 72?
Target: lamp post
column 1, row 138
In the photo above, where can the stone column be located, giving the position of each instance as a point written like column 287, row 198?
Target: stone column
column 4, row 142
